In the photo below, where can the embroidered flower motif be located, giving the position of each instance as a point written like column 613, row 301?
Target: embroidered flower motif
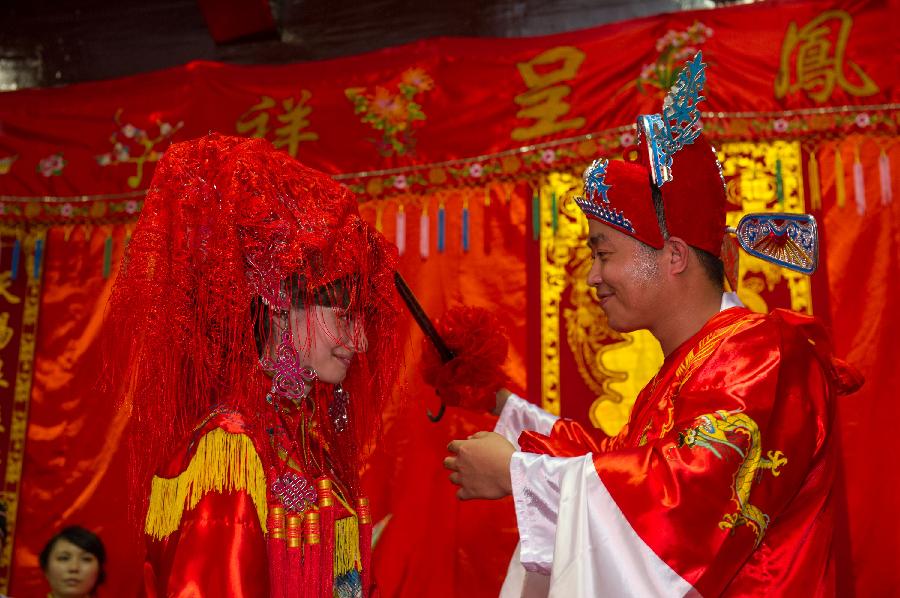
column 131, row 206
column 135, row 146
column 6, row 164
column 664, row 41
column 393, row 110
column 626, row 139
column 400, row 182
column 548, row 156
column 418, row 78
column 685, row 53
column 674, row 47
column 52, row 165
column 862, row 120
column 780, row 125
column 388, row 107
column 66, row 210
column 476, row 170
column 122, row 152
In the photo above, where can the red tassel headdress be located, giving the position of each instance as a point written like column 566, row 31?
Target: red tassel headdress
column 228, row 221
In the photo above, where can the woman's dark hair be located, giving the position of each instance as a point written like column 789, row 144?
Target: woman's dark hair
column 83, row 539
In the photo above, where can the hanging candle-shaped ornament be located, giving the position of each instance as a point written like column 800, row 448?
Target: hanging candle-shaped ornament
column 815, row 188
column 859, row 184
column 38, row 257
column 424, row 225
column 379, row 210
column 16, row 256
column 486, row 219
column 554, row 212
column 884, row 173
column 465, row 225
column 441, row 227
column 779, row 183
column 840, row 189
column 276, row 550
column 107, row 254
column 401, row 229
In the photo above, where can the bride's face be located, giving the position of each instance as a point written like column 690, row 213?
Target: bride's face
column 327, row 339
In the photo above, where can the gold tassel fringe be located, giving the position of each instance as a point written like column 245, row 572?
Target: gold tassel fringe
column 346, row 546
column 224, row 463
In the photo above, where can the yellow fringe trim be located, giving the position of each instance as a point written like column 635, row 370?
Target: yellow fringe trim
column 346, row 546
column 223, row 463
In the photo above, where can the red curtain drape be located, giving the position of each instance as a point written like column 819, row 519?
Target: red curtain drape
column 864, row 282
column 74, row 470
column 433, row 544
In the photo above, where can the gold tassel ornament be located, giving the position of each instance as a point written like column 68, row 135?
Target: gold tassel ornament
column 223, row 463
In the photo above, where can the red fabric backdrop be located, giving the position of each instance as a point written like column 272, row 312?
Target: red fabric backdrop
column 74, row 468
column 864, row 283
column 54, row 144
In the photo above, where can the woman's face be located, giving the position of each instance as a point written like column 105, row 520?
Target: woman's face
column 327, row 339
column 71, row 571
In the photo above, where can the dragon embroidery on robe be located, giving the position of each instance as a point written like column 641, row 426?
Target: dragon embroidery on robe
column 716, row 432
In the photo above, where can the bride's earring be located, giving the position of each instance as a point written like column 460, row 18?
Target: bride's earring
column 337, row 410
column 290, row 380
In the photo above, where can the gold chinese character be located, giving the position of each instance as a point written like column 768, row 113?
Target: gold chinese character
column 5, row 283
column 6, row 332
column 294, row 119
column 3, row 382
column 255, row 121
column 820, row 64
column 544, row 100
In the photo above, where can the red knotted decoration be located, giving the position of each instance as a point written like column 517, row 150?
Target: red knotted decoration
column 277, row 551
column 312, row 556
column 326, row 531
column 364, row 516
column 480, row 344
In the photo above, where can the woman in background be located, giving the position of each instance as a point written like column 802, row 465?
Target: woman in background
column 73, row 563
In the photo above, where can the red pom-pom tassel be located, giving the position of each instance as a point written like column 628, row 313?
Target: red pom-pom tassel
column 472, row 378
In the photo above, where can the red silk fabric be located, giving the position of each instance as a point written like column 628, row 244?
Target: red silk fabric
column 305, row 107
column 768, row 391
column 218, row 550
